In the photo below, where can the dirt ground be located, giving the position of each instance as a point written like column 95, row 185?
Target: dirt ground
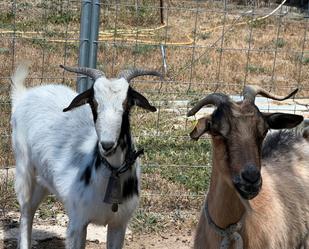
column 173, row 236
column 171, row 240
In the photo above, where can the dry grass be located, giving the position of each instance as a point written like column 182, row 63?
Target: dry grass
column 7, row 200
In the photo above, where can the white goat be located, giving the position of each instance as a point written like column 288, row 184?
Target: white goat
column 85, row 157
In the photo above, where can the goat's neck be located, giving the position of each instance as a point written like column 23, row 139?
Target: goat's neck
column 118, row 157
column 225, row 206
column 124, row 144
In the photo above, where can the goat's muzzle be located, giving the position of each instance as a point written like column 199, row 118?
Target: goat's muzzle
column 248, row 184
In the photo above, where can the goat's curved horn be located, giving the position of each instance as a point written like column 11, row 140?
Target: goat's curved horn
column 133, row 73
column 251, row 91
column 212, row 99
column 92, row 73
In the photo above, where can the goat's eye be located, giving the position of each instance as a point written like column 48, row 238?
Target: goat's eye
column 221, row 131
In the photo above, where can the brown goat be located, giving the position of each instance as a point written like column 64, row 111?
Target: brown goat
column 259, row 191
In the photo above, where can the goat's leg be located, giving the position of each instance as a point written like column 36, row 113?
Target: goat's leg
column 28, row 209
column 24, row 241
column 115, row 236
column 76, row 235
column 24, row 179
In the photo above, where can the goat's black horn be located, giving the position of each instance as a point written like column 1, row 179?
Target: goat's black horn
column 92, row 73
column 133, row 73
column 212, row 99
column 251, row 91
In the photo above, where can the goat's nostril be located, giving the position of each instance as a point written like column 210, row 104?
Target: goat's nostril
column 107, row 145
column 251, row 175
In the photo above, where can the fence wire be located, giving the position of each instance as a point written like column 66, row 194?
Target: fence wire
column 201, row 47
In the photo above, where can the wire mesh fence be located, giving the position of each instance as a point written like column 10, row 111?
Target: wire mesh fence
column 201, row 47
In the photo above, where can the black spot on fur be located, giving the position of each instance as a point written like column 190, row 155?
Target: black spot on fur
column 93, row 107
column 130, row 187
column 221, row 119
column 125, row 140
column 97, row 161
column 86, row 176
column 279, row 142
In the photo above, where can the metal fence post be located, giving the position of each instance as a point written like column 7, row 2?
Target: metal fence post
column 89, row 30
column 161, row 12
column 94, row 34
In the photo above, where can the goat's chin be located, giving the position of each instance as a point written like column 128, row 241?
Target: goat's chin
column 110, row 152
column 247, row 195
column 107, row 153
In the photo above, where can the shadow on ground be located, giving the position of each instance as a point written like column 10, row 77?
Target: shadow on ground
column 45, row 244
column 10, row 228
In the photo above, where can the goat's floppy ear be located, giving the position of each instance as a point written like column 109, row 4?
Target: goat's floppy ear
column 141, row 101
column 80, row 99
column 282, row 120
column 202, row 126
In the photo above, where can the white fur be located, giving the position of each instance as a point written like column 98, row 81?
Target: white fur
column 19, row 77
column 110, row 95
column 53, row 149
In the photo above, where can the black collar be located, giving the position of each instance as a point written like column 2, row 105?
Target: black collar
column 113, row 194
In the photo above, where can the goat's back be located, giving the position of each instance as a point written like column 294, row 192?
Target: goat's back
column 52, row 140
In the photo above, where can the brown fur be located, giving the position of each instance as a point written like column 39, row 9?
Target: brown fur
column 278, row 217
